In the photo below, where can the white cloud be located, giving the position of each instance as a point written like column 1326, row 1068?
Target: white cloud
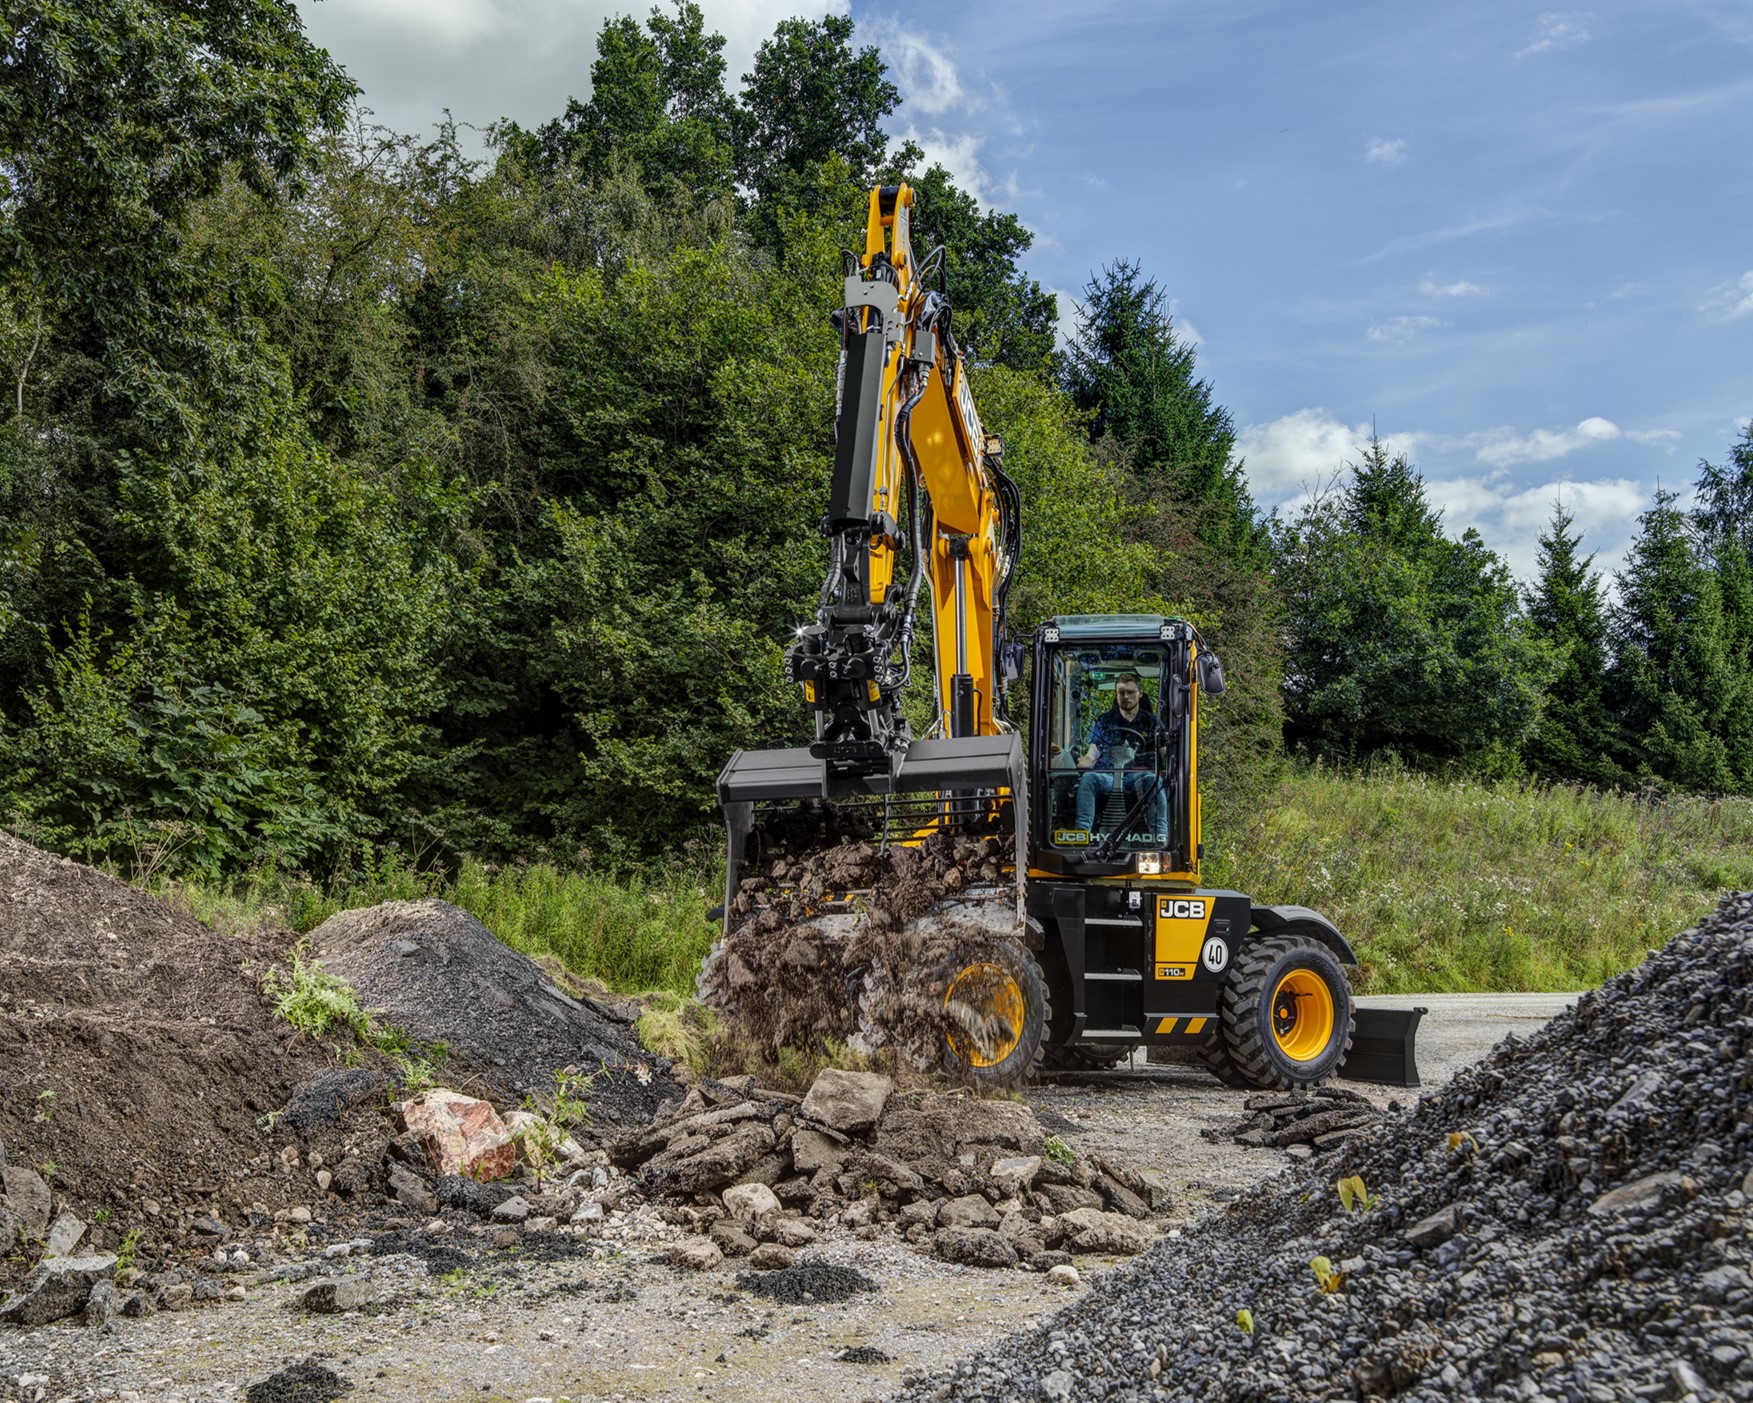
column 1299, row 451
column 1383, row 152
column 1732, row 299
column 1400, row 328
column 1556, row 31
column 1502, row 447
column 959, row 155
column 1430, row 287
column 1512, row 519
column 922, row 70
column 1603, row 504
column 1288, row 458
column 1184, row 329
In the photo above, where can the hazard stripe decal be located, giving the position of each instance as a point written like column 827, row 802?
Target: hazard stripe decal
column 1196, row 1025
column 1167, row 1025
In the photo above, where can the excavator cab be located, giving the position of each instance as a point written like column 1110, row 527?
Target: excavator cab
column 1114, row 746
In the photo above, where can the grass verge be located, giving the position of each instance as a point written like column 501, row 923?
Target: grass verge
column 631, row 935
column 1449, row 886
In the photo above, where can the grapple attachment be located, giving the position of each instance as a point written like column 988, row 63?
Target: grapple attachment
column 945, row 784
column 884, row 910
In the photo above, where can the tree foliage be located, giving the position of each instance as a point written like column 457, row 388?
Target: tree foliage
column 355, row 490
column 1137, row 378
column 1401, row 638
column 1577, row 737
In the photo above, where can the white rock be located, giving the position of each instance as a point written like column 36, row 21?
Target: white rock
column 747, row 1202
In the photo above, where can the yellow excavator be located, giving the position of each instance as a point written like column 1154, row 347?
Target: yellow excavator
column 1096, row 938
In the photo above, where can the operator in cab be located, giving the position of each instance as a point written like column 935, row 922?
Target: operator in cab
column 1124, row 739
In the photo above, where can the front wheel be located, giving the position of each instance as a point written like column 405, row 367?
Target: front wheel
column 995, row 1017
column 1286, row 1013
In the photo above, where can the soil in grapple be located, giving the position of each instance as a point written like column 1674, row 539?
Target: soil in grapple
column 1566, row 1220
column 855, row 942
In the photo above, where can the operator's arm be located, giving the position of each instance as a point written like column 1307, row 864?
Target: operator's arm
column 1099, row 741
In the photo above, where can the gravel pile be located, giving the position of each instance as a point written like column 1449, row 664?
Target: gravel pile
column 440, row 975
column 1567, row 1220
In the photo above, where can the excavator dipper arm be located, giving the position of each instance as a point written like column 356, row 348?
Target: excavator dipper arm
column 916, row 480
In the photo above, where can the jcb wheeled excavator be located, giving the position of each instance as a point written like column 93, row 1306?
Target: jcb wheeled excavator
column 1106, row 939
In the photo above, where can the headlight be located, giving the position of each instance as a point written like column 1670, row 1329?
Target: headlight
column 1150, row 864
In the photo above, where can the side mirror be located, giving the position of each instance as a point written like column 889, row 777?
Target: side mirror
column 1210, row 674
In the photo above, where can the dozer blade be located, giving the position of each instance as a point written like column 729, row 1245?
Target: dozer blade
column 1383, row 1046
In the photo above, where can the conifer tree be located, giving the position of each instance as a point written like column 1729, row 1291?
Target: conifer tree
column 1674, row 677
column 1137, row 378
column 1400, row 638
column 1577, row 736
column 1723, row 524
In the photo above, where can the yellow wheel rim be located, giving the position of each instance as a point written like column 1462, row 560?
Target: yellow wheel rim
column 984, row 1007
column 1302, row 1015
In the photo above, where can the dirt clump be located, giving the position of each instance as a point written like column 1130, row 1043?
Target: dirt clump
column 855, row 943
column 140, row 1055
column 306, row 1382
column 813, row 1284
column 435, row 972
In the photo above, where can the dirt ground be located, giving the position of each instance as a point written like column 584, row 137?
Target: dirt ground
column 618, row 1322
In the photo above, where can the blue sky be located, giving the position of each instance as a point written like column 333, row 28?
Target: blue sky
column 1519, row 239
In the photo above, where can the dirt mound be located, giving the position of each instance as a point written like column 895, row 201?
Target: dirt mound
column 856, row 944
column 437, row 973
column 138, row 1052
column 1567, row 1219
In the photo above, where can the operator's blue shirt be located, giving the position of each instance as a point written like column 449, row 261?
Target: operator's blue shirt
column 1112, row 729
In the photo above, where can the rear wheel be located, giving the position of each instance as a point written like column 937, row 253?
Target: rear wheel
column 1286, row 1013
column 995, row 1017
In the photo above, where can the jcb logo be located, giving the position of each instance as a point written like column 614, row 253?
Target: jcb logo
column 1182, row 910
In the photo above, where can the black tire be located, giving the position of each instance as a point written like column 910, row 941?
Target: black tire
column 1216, row 1054
column 1303, row 1040
column 984, row 1044
column 1083, row 1057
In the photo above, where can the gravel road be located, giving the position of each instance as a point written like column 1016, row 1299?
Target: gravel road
column 619, row 1323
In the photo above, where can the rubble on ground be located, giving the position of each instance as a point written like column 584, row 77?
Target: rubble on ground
column 1566, row 1220
column 437, row 974
column 1311, row 1121
column 971, row 1181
